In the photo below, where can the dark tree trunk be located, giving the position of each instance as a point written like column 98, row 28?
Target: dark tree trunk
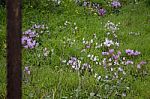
column 13, row 49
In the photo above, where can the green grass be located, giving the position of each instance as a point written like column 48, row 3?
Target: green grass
column 52, row 79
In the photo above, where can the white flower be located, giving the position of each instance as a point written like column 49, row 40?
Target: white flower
column 100, row 63
column 111, row 69
column 120, row 69
column 64, row 61
column 88, row 55
column 109, row 64
column 117, row 44
column 110, row 59
column 96, row 63
column 108, row 33
column 76, row 28
column 106, row 77
column 111, row 26
column 124, row 94
column 124, row 72
column 108, row 42
column 46, row 52
column 115, row 36
column 116, row 63
column 99, row 77
column 139, row 66
column 83, row 41
column 92, row 94
column 95, row 75
column 95, row 58
column 91, row 40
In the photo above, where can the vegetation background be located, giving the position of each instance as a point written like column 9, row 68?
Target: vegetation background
column 66, row 24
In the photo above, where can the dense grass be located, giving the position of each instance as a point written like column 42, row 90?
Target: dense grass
column 50, row 78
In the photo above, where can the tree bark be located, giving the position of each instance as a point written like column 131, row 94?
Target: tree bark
column 14, row 72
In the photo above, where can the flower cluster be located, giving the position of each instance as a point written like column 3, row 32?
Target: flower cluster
column 75, row 63
column 100, row 9
column 117, row 68
column 110, row 26
column 29, row 37
column 28, row 40
column 134, row 33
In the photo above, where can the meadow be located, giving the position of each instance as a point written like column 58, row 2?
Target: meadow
column 70, row 51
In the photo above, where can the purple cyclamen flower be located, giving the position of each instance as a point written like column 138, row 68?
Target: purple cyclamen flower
column 138, row 66
column 136, row 53
column 32, row 34
column 27, row 32
column 129, row 52
column 31, row 43
column 74, row 62
column 105, row 53
column 86, row 65
column 85, row 3
column 111, row 51
column 132, row 52
column 26, row 68
column 115, row 4
column 101, row 12
column 73, row 58
column 120, row 69
column 142, row 63
column 115, row 57
column 70, row 62
column 119, row 53
column 129, row 62
column 27, row 71
column 24, row 39
column 88, row 46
